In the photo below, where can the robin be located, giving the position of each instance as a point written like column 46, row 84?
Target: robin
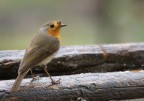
column 42, row 49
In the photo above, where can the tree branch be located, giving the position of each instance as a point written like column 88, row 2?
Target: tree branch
column 91, row 87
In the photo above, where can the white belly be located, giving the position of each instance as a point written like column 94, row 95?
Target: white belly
column 47, row 60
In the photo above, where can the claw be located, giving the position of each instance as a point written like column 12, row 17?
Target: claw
column 56, row 82
column 34, row 79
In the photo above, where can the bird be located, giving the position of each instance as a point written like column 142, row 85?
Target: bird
column 42, row 49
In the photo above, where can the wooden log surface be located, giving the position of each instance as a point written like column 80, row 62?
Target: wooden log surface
column 115, row 83
column 88, row 86
column 81, row 59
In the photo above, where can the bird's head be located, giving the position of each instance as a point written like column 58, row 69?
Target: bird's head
column 53, row 28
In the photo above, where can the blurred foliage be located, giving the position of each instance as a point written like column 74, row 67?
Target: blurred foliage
column 89, row 21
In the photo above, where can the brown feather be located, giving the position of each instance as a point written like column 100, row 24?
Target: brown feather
column 41, row 47
column 38, row 50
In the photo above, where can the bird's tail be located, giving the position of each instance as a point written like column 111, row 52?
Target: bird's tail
column 17, row 82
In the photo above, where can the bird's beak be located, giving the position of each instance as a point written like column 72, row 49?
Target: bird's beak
column 62, row 25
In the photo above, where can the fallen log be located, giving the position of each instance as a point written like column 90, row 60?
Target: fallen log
column 90, row 86
column 80, row 59
column 94, row 86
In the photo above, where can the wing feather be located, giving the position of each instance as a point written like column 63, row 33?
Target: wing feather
column 41, row 47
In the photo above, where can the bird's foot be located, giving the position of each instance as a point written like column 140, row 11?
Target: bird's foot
column 34, row 79
column 54, row 84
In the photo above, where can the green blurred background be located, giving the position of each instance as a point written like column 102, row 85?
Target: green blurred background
column 89, row 21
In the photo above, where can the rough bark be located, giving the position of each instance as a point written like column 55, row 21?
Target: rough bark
column 89, row 86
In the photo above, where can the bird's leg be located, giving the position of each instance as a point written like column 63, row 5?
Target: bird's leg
column 33, row 77
column 32, row 74
column 52, row 81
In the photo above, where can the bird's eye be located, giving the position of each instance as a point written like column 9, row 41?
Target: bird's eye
column 51, row 26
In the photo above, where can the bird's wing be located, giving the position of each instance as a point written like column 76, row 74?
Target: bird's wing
column 40, row 48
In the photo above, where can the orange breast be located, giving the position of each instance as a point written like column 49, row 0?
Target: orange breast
column 55, row 33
